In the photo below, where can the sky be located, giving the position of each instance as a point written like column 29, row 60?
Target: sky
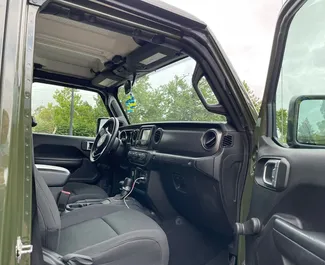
column 245, row 31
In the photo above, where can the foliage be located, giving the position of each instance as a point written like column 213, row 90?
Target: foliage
column 282, row 124
column 306, row 133
column 281, row 114
column 255, row 100
column 174, row 101
column 55, row 117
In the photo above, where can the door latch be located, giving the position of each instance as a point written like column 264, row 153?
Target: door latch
column 22, row 249
column 270, row 173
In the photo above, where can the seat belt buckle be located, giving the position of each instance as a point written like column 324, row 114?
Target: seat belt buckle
column 63, row 200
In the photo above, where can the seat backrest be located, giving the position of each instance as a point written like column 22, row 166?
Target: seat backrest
column 48, row 213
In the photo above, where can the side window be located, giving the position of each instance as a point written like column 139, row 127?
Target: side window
column 65, row 111
column 300, row 114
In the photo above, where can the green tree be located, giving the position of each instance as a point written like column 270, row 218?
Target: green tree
column 55, row 117
column 282, row 124
column 173, row 101
column 306, row 132
column 281, row 114
column 45, row 119
column 100, row 109
column 256, row 100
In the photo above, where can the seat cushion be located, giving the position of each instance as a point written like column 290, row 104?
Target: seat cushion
column 113, row 234
column 82, row 191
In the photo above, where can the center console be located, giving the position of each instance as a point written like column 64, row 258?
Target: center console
column 117, row 200
column 122, row 199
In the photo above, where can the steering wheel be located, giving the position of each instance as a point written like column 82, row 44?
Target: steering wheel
column 105, row 140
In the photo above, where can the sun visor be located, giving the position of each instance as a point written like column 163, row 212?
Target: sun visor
column 150, row 57
column 106, row 79
column 143, row 60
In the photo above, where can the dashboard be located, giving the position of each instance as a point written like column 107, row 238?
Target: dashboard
column 198, row 165
column 159, row 142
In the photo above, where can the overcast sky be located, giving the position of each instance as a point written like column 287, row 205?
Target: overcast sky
column 245, row 30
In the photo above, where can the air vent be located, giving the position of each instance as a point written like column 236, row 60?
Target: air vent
column 227, row 141
column 123, row 136
column 134, row 137
column 157, row 136
column 209, row 139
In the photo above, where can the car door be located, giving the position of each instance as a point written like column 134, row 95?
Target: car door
column 285, row 190
column 66, row 126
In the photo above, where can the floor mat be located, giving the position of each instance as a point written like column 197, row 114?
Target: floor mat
column 189, row 246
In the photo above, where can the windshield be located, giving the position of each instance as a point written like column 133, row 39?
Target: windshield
column 168, row 95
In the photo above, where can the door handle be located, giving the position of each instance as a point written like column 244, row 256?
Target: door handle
column 86, row 145
column 270, row 172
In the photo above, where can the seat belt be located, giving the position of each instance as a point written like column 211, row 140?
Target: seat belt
column 37, row 254
column 63, row 200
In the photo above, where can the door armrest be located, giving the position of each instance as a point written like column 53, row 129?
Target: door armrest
column 54, row 176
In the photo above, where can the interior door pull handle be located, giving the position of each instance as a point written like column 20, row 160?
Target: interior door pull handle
column 300, row 246
column 270, row 173
column 274, row 173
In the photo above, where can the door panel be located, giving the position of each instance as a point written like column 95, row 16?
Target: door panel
column 303, row 247
column 292, row 217
column 291, row 209
column 70, row 152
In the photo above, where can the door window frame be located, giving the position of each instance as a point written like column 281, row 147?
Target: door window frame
column 267, row 119
column 105, row 97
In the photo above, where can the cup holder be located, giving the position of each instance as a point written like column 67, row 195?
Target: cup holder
column 73, row 206
column 82, row 203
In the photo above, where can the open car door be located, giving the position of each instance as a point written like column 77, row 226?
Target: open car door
column 285, row 190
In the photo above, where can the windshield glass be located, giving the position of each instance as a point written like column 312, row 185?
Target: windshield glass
column 168, row 95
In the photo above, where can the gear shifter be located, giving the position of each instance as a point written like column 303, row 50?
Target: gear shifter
column 126, row 187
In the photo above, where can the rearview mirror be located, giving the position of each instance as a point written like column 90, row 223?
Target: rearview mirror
column 101, row 122
column 127, row 87
column 306, row 121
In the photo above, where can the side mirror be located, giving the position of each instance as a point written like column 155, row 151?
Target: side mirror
column 306, row 121
column 101, row 122
column 205, row 92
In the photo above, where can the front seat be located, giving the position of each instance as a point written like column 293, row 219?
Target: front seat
column 108, row 234
column 81, row 191
column 78, row 191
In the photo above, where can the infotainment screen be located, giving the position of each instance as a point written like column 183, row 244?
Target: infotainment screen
column 145, row 135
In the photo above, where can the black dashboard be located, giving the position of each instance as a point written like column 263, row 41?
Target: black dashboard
column 198, row 165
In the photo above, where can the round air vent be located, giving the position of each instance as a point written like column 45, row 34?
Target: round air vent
column 209, row 139
column 157, row 136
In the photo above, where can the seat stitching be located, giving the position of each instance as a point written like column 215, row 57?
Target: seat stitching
column 114, row 229
column 123, row 242
column 109, row 262
column 99, row 217
column 129, row 241
column 88, row 219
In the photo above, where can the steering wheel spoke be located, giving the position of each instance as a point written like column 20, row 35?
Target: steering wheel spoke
column 104, row 140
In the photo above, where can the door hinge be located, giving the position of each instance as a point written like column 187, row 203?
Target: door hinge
column 22, row 249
